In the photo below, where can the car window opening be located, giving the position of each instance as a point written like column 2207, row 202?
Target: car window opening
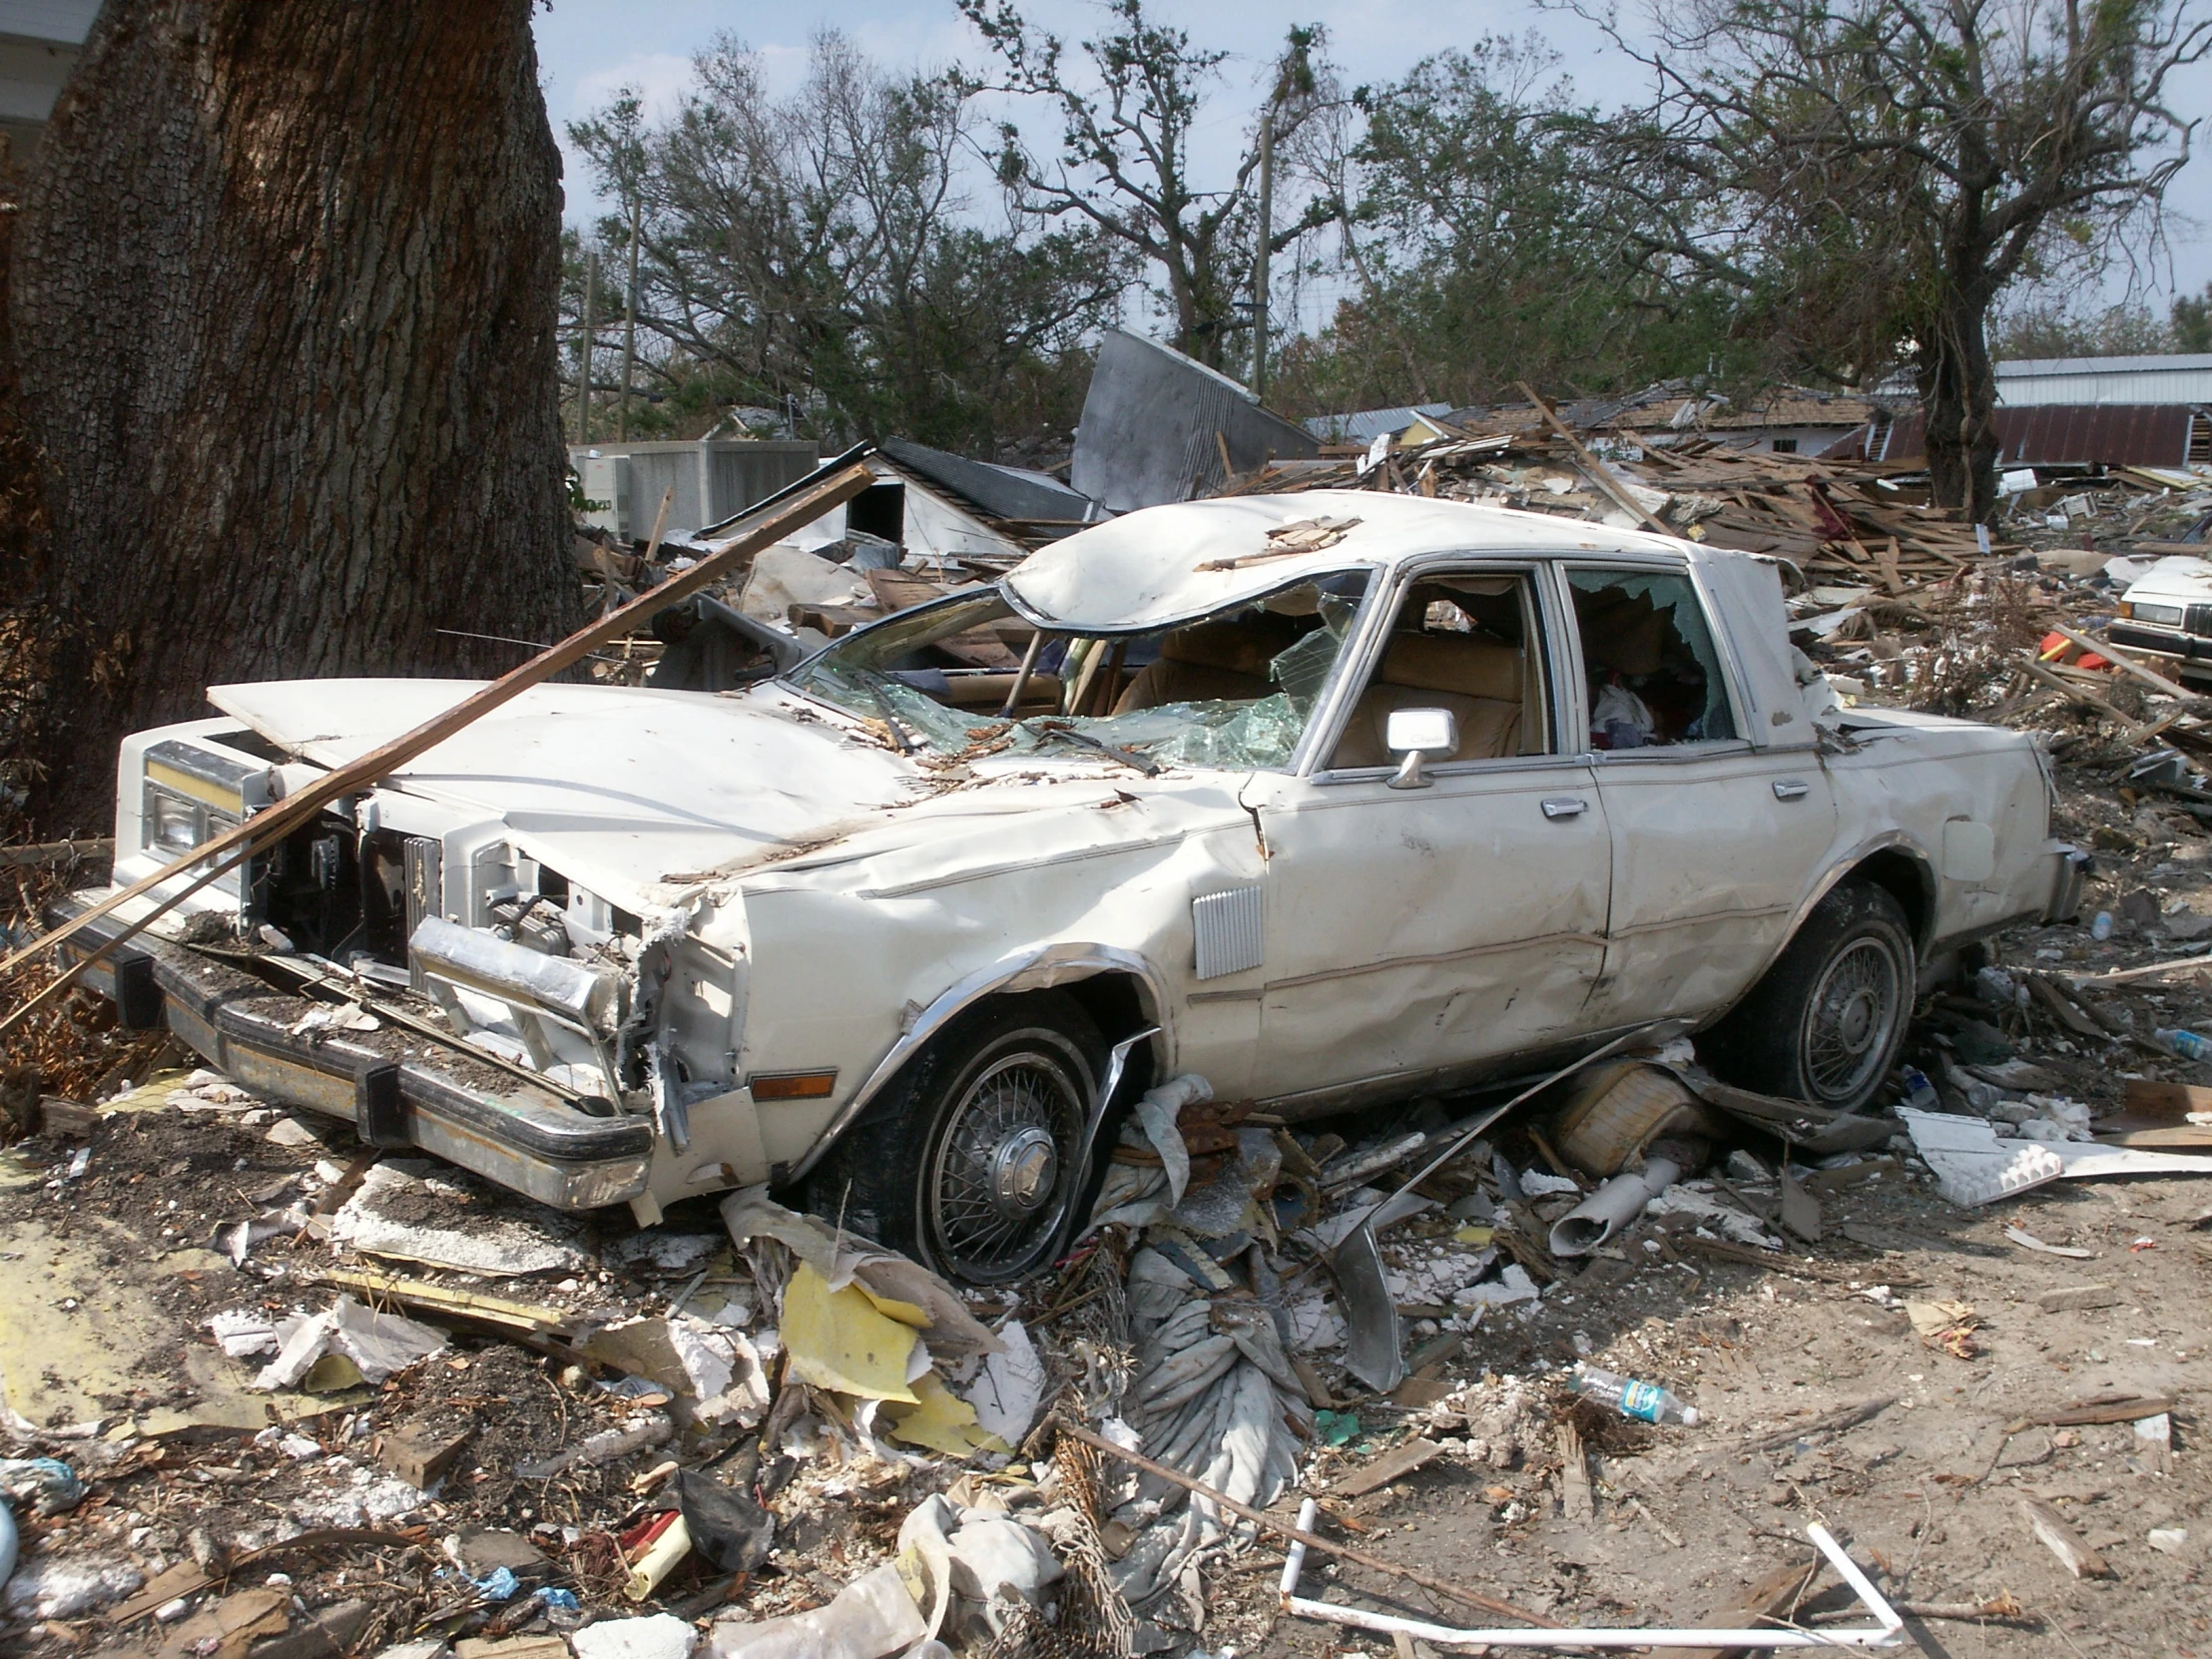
column 1235, row 688
column 1462, row 643
column 1655, row 679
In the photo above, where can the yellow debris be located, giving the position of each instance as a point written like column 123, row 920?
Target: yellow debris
column 943, row 1421
column 838, row 1341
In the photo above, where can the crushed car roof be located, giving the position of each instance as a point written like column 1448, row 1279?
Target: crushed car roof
column 1166, row 564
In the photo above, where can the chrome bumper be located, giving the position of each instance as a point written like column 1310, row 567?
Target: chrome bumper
column 469, row 1114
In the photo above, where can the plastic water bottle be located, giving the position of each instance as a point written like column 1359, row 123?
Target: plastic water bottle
column 2188, row 1044
column 1645, row 1401
column 1919, row 1093
column 2101, row 928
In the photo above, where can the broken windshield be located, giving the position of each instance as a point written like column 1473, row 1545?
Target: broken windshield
column 966, row 677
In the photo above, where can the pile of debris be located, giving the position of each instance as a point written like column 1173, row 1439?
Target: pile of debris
column 293, row 1395
column 1828, row 518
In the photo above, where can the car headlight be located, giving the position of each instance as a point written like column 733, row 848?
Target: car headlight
column 176, row 825
column 2162, row 615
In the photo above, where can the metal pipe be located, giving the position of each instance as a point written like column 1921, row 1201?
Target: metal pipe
column 584, row 344
column 1259, row 257
column 1883, row 1633
column 629, row 328
column 1021, row 680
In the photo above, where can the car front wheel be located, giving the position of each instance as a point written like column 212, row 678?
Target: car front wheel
column 1827, row 1021
column 968, row 1163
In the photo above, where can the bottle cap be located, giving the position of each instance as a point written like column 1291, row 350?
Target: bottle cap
column 1689, row 1417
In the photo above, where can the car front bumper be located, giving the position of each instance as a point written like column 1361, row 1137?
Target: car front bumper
column 397, row 1088
column 2138, row 639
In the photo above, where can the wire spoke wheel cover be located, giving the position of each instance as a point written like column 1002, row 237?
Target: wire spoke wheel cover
column 1852, row 1016
column 998, row 1176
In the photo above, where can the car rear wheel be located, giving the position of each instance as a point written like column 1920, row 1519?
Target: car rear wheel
column 967, row 1164
column 1827, row 1021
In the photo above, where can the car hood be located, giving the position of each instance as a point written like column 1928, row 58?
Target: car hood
column 619, row 788
column 2180, row 577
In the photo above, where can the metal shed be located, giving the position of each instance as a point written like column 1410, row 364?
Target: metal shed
column 713, row 478
column 2029, row 383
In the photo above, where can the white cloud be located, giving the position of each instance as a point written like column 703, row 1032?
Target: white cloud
column 659, row 78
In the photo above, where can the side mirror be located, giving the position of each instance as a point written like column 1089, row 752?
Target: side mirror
column 1417, row 734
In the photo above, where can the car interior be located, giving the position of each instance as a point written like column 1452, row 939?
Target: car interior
column 1654, row 677
column 1459, row 643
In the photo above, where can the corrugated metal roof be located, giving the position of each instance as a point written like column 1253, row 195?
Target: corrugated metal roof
column 2155, row 363
column 2175, row 378
column 1365, row 425
column 2107, row 435
column 1156, row 427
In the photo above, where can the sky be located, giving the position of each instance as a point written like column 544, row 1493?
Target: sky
column 589, row 48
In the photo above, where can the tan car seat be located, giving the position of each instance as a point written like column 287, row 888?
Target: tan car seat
column 1481, row 681
column 1212, row 662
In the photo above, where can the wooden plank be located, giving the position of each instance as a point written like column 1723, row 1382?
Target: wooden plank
column 1395, row 1465
column 1885, row 555
column 2062, row 1009
column 273, row 822
column 2165, row 1137
column 421, row 1296
column 2103, row 1408
column 2126, row 664
column 1574, row 1475
column 2082, row 694
column 2149, row 970
column 1590, row 465
column 1771, row 1597
column 2063, row 1541
column 2170, row 1101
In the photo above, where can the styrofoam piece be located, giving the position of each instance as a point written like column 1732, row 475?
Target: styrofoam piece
column 1973, row 1164
column 1976, row 1165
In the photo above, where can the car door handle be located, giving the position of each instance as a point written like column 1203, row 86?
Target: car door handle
column 1791, row 788
column 1565, row 805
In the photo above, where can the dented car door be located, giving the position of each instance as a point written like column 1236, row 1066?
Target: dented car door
column 1715, row 841
column 1426, row 930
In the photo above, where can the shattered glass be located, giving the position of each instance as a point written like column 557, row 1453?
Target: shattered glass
column 1233, row 734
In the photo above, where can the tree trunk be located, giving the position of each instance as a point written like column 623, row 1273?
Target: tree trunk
column 1958, row 399
column 283, row 313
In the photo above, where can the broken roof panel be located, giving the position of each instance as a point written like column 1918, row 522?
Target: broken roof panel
column 1156, row 424
column 1001, row 491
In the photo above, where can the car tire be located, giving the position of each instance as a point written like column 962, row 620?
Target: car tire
column 1826, row 1022
column 965, row 1162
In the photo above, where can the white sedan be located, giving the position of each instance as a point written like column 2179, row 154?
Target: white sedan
column 1334, row 799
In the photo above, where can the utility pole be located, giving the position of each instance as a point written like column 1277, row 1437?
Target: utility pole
column 584, row 345
column 629, row 328
column 1260, row 261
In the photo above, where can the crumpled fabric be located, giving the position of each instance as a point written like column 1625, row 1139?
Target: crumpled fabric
column 1157, row 1111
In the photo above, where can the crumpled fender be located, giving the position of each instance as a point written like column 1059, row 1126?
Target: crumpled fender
column 1039, row 968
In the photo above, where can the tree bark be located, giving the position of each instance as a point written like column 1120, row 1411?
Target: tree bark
column 284, row 315
column 1958, row 400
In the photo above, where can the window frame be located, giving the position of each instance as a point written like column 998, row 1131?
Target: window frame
column 1357, row 664
column 1723, row 648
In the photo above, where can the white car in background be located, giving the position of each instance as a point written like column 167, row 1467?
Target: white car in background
column 1335, row 798
column 2167, row 612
